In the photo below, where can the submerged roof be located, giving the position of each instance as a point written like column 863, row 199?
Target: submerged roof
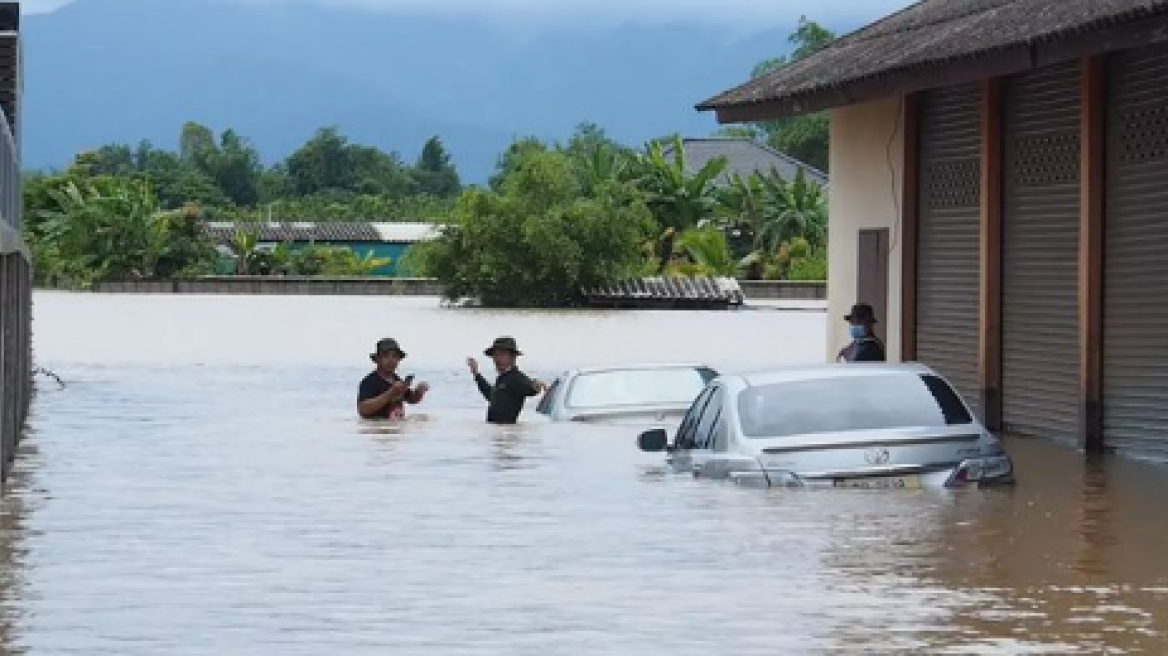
column 324, row 232
column 743, row 157
column 940, row 42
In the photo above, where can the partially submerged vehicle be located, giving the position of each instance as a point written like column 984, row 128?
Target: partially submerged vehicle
column 639, row 394
column 870, row 426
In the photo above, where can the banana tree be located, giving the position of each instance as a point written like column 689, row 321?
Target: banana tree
column 104, row 229
column 244, row 245
column 677, row 198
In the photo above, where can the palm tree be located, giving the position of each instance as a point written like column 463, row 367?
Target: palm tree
column 707, row 249
column 601, row 164
column 792, row 210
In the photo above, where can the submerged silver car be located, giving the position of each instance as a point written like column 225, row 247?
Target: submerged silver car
column 640, row 394
column 853, row 426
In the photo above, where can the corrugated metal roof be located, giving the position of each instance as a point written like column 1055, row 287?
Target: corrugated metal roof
column 676, row 289
column 743, row 157
column 929, row 35
column 327, row 231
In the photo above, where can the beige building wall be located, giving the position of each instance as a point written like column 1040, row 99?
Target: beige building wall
column 867, row 157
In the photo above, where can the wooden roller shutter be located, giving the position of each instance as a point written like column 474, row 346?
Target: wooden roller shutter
column 1040, row 253
column 948, row 265
column 1135, row 305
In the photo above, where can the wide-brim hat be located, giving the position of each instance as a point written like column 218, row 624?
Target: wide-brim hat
column 503, row 344
column 387, row 345
column 861, row 312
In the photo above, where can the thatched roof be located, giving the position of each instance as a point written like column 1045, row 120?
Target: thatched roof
column 939, row 42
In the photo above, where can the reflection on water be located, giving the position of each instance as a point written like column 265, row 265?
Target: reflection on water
column 178, row 500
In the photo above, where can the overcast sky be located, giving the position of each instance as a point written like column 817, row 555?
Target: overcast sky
column 760, row 14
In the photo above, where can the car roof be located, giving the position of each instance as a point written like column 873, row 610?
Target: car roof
column 641, row 366
column 830, row 371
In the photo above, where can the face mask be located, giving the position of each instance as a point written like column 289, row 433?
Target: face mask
column 857, row 332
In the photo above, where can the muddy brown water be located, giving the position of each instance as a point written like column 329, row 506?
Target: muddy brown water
column 202, row 487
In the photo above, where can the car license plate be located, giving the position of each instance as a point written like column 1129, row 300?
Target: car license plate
column 881, row 483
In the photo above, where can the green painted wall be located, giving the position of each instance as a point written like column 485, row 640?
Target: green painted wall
column 394, row 252
column 380, row 251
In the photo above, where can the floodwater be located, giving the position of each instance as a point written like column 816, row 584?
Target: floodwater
column 202, row 487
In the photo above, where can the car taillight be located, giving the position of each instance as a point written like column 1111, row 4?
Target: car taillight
column 982, row 470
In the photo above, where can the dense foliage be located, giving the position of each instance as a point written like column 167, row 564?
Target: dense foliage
column 327, row 179
column 561, row 218
column 109, row 228
column 540, row 236
column 553, row 219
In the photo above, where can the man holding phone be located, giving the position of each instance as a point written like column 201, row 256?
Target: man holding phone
column 383, row 393
column 511, row 388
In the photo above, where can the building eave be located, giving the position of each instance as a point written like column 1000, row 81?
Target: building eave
column 768, row 97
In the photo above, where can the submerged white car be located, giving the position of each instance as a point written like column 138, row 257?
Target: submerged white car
column 640, row 394
column 853, row 425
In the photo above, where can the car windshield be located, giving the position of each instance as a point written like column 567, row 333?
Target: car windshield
column 637, row 387
column 851, row 403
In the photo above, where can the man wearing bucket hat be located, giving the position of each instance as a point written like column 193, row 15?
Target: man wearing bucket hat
column 865, row 346
column 383, row 393
column 511, row 388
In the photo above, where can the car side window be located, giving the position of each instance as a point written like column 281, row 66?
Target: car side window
column 704, row 435
column 689, row 425
column 548, row 401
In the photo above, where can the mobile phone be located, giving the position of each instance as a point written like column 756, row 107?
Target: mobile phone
column 409, row 380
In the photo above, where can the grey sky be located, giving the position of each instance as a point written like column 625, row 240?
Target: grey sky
column 744, row 13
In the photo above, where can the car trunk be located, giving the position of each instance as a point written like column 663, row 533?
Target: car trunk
column 836, row 457
column 653, row 417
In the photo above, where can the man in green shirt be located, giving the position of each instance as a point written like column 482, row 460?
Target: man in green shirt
column 511, row 388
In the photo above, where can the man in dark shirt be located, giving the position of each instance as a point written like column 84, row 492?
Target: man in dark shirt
column 383, row 394
column 865, row 346
column 511, row 388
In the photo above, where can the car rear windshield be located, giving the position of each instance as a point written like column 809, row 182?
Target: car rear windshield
column 850, row 404
column 637, row 387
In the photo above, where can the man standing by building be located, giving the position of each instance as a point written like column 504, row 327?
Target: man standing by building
column 511, row 388
column 865, row 346
column 383, row 393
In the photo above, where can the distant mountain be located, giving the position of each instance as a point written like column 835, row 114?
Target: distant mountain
column 122, row 70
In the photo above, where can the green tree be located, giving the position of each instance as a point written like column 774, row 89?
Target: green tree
column 321, row 164
column 540, row 239
column 329, row 164
column 590, row 137
column 177, row 183
column 517, row 152
column 111, row 228
column 434, row 172
column 706, row 253
column 234, row 167
column 807, row 262
column 794, row 209
column 194, row 141
column 803, row 137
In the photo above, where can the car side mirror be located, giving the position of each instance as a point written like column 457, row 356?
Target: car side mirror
column 653, row 441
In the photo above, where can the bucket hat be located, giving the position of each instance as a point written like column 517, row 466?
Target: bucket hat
column 503, row 344
column 862, row 312
column 387, row 345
